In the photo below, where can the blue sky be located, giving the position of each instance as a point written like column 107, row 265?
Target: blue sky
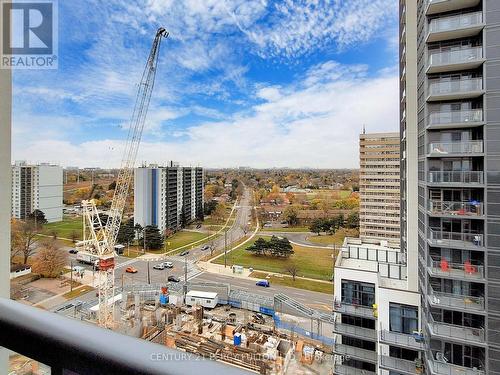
column 245, row 82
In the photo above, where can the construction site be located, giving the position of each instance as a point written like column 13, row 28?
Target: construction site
column 260, row 334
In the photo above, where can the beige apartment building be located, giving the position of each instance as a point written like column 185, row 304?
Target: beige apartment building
column 379, row 186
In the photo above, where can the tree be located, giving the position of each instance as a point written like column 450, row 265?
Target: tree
column 292, row 269
column 54, row 234
column 38, row 217
column 259, row 247
column 126, row 234
column 74, row 236
column 16, row 240
column 291, row 215
column 153, row 238
column 112, row 186
column 316, row 226
column 280, row 247
column 138, row 230
column 25, row 239
column 219, row 213
column 49, row 260
column 352, row 220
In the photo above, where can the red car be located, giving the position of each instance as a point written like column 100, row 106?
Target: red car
column 131, row 270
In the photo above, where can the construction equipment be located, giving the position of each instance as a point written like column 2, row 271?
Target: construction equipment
column 99, row 238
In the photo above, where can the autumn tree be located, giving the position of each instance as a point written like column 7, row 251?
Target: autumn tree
column 219, row 213
column 74, row 236
column 292, row 269
column 25, row 239
column 291, row 215
column 49, row 260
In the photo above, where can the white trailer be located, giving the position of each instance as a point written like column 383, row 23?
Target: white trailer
column 87, row 258
column 205, row 299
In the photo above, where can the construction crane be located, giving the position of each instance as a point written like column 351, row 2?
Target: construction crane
column 99, row 238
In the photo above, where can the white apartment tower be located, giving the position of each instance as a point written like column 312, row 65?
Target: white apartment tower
column 37, row 187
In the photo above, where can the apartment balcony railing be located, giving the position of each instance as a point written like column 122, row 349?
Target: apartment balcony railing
column 440, row 6
column 452, row 331
column 350, row 308
column 414, row 342
column 468, row 271
column 455, row 148
column 355, row 331
column 455, row 239
column 459, row 26
column 400, row 365
column 455, row 89
column 456, row 177
column 348, row 370
column 456, row 301
column 451, row 60
column 438, row 207
column 441, row 367
column 68, row 345
column 355, row 352
column 455, row 118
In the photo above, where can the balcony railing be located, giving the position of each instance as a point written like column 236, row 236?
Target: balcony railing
column 456, row 270
column 344, row 307
column 68, row 345
column 355, row 331
column 355, row 352
column 400, row 365
column 455, row 239
column 456, row 22
column 456, row 301
column 465, row 116
column 441, row 367
column 455, row 208
column 456, row 177
column 348, row 370
column 402, row 339
column 452, row 331
column 453, row 148
column 440, row 6
column 461, row 56
column 441, row 87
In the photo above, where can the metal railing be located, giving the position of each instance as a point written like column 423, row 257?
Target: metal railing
column 353, row 351
column 453, row 177
column 402, row 339
column 355, row 331
column 456, row 57
column 456, row 22
column 454, row 331
column 455, row 239
column 398, row 364
column 67, row 345
column 455, row 208
column 377, row 255
column 441, row 367
column 442, row 87
column 460, row 270
column 344, row 307
column 449, row 148
column 455, row 116
column 456, row 301
column 348, row 370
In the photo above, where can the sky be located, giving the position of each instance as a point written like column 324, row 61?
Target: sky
column 257, row 83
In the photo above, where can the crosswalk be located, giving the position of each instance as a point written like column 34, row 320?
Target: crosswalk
column 125, row 264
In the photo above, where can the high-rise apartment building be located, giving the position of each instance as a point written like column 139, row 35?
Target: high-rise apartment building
column 379, row 186
column 37, row 187
column 168, row 196
column 450, row 127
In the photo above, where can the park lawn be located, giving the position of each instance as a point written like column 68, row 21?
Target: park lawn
column 337, row 238
column 65, row 228
column 78, row 292
column 183, row 238
column 289, row 229
column 314, row 286
column 312, row 262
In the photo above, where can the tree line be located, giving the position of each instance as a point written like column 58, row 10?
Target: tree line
column 276, row 247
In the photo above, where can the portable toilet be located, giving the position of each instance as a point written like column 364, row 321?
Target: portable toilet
column 237, row 339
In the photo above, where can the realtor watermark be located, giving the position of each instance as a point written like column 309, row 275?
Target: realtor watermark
column 29, row 34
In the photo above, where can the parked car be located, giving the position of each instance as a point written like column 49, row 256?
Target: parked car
column 268, row 225
column 264, row 283
column 205, row 247
column 159, row 267
column 168, row 264
column 184, row 253
column 73, row 251
column 131, row 270
column 173, row 279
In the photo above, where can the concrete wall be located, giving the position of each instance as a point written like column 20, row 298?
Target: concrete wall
column 50, row 192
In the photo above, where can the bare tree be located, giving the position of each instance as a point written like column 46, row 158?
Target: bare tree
column 292, row 269
column 24, row 234
column 54, row 234
column 74, row 236
column 50, row 259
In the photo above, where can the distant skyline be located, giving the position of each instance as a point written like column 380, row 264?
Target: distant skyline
column 246, row 82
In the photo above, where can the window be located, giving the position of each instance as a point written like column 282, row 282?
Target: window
column 403, row 318
column 357, row 293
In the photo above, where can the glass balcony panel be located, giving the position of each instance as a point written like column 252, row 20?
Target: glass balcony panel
column 457, row 270
column 456, row 177
column 452, row 148
column 455, row 208
column 446, row 87
column 455, row 22
column 455, row 117
column 355, row 331
column 452, row 331
column 414, row 342
column 455, row 239
column 456, row 301
column 355, row 352
column 439, row 366
column 353, row 309
column 348, row 370
column 400, row 365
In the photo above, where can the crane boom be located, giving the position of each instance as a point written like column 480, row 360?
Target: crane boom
column 98, row 238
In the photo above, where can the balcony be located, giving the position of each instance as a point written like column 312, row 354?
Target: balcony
column 343, row 307
column 455, row 27
column 455, row 301
column 445, row 208
column 355, row 331
column 71, row 346
column 440, row 6
column 356, row 353
column 401, row 366
column 457, row 178
column 441, row 367
column 463, row 118
column 450, row 61
column 348, row 370
column 463, row 88
column 455, row 332
column 408, row 341
column 464, row 148
column 458, row 271
column 473, row 241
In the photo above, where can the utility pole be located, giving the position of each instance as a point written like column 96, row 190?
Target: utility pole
column 225, row 248
column 185, row 276
column 149, row 275
column 71, row 279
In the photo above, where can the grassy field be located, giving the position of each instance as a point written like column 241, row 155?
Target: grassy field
column 78, row 292
column 337, row 238
column 65, row 228
column 290, row 229
column 314, row 286
column 315, row 263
